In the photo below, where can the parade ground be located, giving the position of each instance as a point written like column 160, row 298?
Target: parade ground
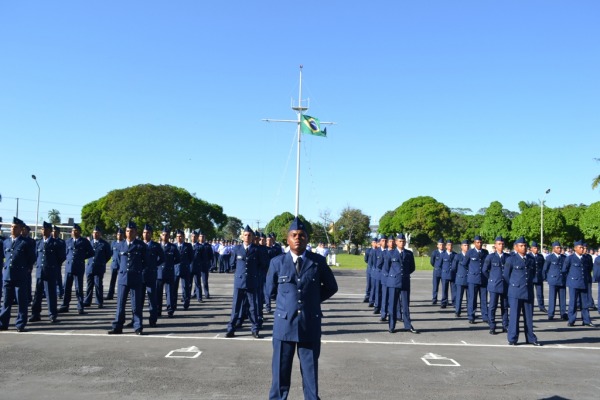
column 188, row 357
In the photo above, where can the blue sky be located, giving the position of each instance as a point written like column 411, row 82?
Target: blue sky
column 465, row 101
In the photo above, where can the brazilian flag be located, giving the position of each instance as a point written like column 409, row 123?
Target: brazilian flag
column 312, row 126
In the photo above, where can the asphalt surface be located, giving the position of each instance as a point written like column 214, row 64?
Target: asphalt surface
column 188, row 357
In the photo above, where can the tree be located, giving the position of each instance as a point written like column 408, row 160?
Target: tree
column 232, row 228
column 527, row 224
column 54, row 216
column 320, row 233
column 352, row 226
column 572, row 214
column 596, row 180
column 156, row 205
column 495, row 223
column 386, row 223
column 590, row 224
column 280, row 224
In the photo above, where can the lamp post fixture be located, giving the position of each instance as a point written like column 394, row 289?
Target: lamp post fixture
column 542, row 221
column 37, row 213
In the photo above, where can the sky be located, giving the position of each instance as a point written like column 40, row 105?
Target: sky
column 466, row 101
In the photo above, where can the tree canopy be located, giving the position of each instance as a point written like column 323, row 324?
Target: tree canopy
column 590, row 223
column 280, row 224
column 352, row 226
column 495, row 223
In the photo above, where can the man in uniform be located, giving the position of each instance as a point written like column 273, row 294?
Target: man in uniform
column 477, row 280
column 78, row 250
column 96, row 267
column 497, row 287
column 378, row 264
column 436, row 262
column 114, row 266
column 368, row 269
column 195, row 266
column 50, row 256
column 132, row 261
column 19, row 256
column 576, row 271
column 154, row 257
column 302, row 281
column 182, row 269
column 272, row 251
column 538, row 279
column 552, row 273
column 206, row 258
column 462, row 275
column 448, row 275
column 518, row 273
column 60, row 290
column 165, row 277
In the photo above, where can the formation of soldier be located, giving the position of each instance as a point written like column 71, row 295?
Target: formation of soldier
column 511, row 280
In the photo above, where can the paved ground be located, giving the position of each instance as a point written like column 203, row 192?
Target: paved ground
column 360, row 359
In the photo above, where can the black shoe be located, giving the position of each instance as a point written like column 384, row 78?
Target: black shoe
column 564, row 317
column 382, row 319
column 100, row 305
column 543, row 309
column 471, row 321
column 366, row 300
column 108, row 298
column 591, row 325
column 54, row 321
column 63, row 309
column 550, row 318
column 239, row 324
column 391, row 330
column 60, row 296
column 504, row 330
column 3, row 328
column 492, row 331
column 129, row 324
column 87, row 304
column 153, row 325
column 570, row 324
column 371, row 305
column 80, row 312
column 538, row 344
column 115, row 331
column 443, row 306
column 230, row 334
column 207, row 296
column 433, row 302
column 170, row 315
column 512, row 344
column 34, row 318
column 186, row 307
column 413, row 330
column 21, row 330
column 256, row 335
column 457, row 315
column 200, row 301
column 139, row 332
column 376, row 311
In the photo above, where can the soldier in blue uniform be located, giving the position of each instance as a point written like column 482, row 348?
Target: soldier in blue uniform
column 399, row 265
column 96, row 268
column 477, row 280
column 132, row 261
column 247, row 260
column 576, row 270
column 385, row 294
column 19, row 256
column 206, row 258
column 589, row 262
column 462, row 274
column 448, row 275
column 114, row 266
column 302, row 280
column 596, row 276
column 518, row 273
column 182, row 269
column 552, row 273
column 368, row 269
column 378, row 264
column 165, row 277
column 195, row 276
column 538, row 279
column 497, row 286
column 78, row 250
column 155, row 256
column 50, row 256
column 436, row 262
column 272, row 251
column 60, row 290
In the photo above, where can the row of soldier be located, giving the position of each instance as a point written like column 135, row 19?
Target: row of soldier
column 498, row 279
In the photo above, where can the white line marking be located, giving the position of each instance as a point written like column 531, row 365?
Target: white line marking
column 436, row 360
column 186, row 352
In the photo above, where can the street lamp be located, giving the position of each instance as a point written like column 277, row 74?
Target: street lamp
column 542, row 221
column 37, row 214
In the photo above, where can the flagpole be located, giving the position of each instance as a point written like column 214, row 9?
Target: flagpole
column 298, row 149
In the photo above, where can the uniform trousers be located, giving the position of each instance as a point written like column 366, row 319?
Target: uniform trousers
column 385, row 295
column 399, row 297
column 496, row 298
column 137, row 304
column 14, row 292
column 435, row 282
column 518, row 306
column 195, row 278
column 475, row 289
column 60, row 289
column 114, row 273
column 461, row 292
column 94, row 283
column 539, row 293
column 378, row 293
column 185, row 291
column 170, row 293
column 69, row 279
column 373, row 287
column 283, row 356
column 561, row 292
column 445, row 284
column 45, row 286
column 237, row 308
column 149, row 289
column 591, row 303
column 368, row 288
column 581, row 296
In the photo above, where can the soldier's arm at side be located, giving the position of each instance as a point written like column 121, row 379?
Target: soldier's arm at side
column 329, row 285
column 272, row 277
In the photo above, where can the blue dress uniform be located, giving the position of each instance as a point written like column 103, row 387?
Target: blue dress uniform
column 577, row 275
column 50, row 256
column 377, row 274
column 114, row 266
column 538, row 278
column 436, row 262
column 589, row 267
column 497, row 288
column 154, row 257
column 182, row 272
column 60, row 290
column 78, row 250
column 477, row 280
column 272, row 252
column 385, row 294
column 448, row 277
column 298, row 317
column 553, row 273
column 95, row 270
column 372, row 274
column 596, row 277
column 132, row 261
column 19, row 256
column 398, row 268
column 518, row 273
column 195, row 269
column 205, row 266
column 368, row 270
column 165, row 279
column 462, row 274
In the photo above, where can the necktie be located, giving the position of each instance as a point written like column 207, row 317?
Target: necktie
column 298, row 265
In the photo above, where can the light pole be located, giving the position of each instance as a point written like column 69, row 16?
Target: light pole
column 542, row 221
column 37, row 213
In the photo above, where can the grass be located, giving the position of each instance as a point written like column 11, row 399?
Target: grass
column 349, row 261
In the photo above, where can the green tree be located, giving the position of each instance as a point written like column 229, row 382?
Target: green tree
column 386, row 223
column 590, row 224
column 352, row 226
column 495, row 223
column 232, row 228
column 527, row 224
column 280, row 224
column 596, row 180
column 156, row 205
column 320, row 233
column 54, row 216
column 572, row 214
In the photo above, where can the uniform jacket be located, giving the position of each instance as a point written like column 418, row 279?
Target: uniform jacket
column 378, row 262
column 273, row 252
column 462, row 273
column 114, row 246
column 207, row 257
column 494, row 269
column 50, row 256
column 132, row 260
column 186, row 253
column 18, row 258
column 154, row 257
column 576, row 272
column 474, row 264
column 518, row 273
column 552, row 271
column 539, row 267
column 596, row 269
column 196, row 258
column 102, row 254
column 298, row 304
column 448, row 271
column 436, row 262
column 166, row 269
column 77, row 252
column 398, row 268
column 247, row 266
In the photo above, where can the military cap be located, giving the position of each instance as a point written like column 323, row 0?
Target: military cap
column 382, row 237
column 199, row 232
column 466, row 241
column 578, row 243
column 131, row 225
column 477, row 237
column 297, row 225
column 17, row 221
column 148, row 227
column 55, row 228
column 520, row 240
column 76, row 227
column 499, row 239
column 441, row 240
column 449, row 241
column 271, row 235
column 556, row 243
column 534, row 244
column 248, row 229
column 262, row 235
column 165, row 230
column 120, row 230
column 401, row 236
column 27, row 227
column 374, row 239
column 179, row 232
column 47, row 225
column 97, row 229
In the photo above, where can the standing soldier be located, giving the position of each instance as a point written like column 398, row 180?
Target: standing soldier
column 385, row 294
column 50, row 256
column 577, row 275
column 518, row 273
column 378, row 264
column 96, row 267
column 436, row 262
column 272, row 251
column 182, row 270
column 165, row 278
column 60, row 290
column 132, row 260
column 477, row 280
column 589, row 261
column 448, row 275
column 114, row 266
column 368, row 262
column 556, row 282
column 497, row 286
column 154, row 257
column 78, row 250
column 538, row 278
column 195, row 266
column 302, row 280
column 205, row 263
column 19, row 256
column 462, row 275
